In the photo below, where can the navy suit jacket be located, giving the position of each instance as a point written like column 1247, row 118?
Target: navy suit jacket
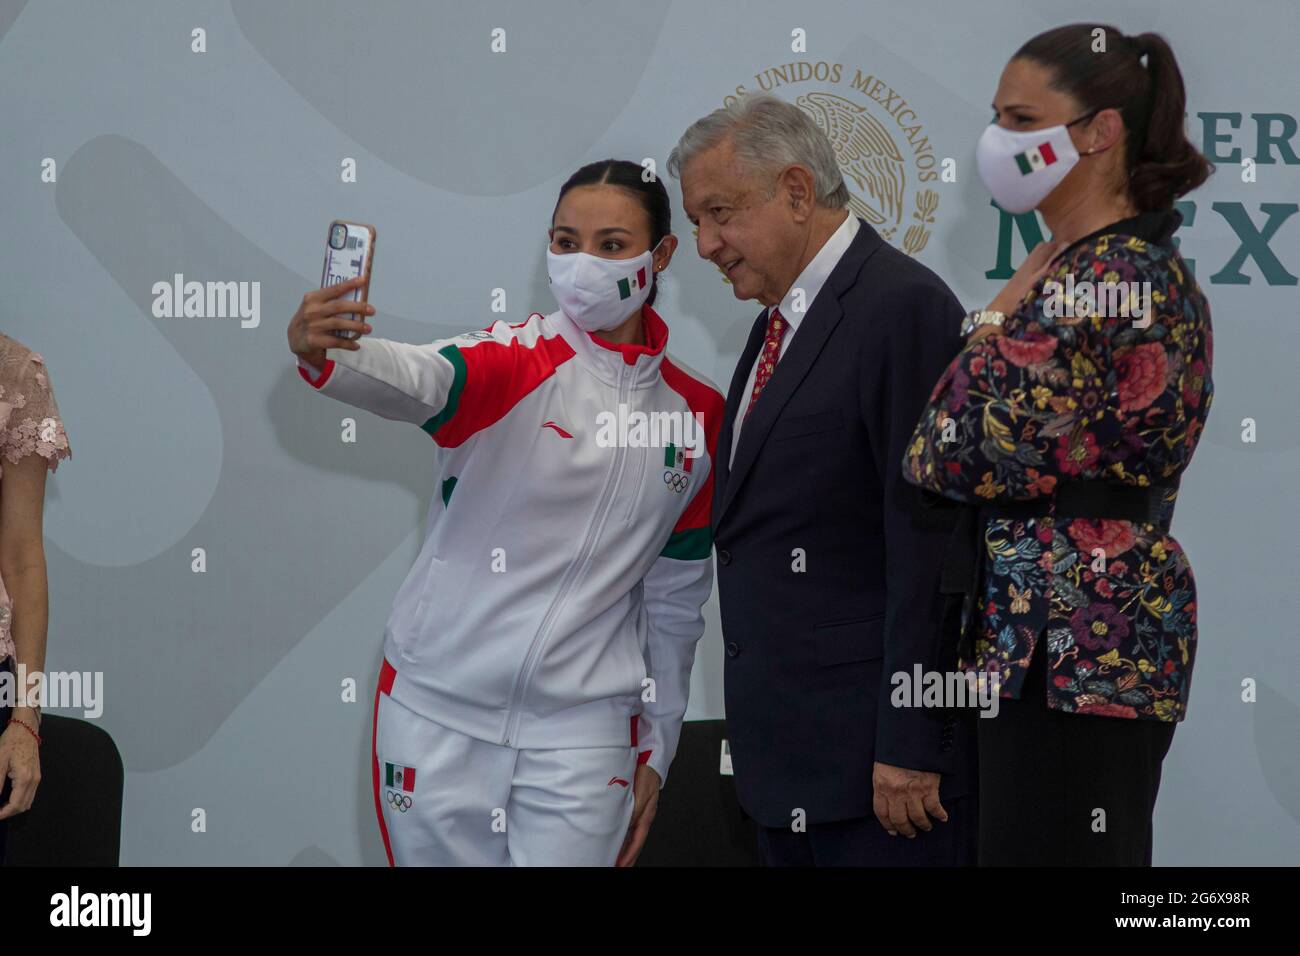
column 818, row 479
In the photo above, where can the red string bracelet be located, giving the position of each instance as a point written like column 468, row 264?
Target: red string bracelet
column 22, row 723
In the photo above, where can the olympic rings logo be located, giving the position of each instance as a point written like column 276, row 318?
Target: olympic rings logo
column 676, row 480
column 398, row 801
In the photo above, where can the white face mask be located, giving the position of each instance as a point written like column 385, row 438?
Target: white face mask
column 1021, row 168
column 596, row 293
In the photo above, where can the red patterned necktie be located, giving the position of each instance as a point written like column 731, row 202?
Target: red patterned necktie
column 776, row 326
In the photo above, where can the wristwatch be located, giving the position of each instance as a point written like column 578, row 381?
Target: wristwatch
column 977, row 317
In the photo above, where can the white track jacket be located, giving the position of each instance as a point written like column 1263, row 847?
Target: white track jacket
column 556, row 601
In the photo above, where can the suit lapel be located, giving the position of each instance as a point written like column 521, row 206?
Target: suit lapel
column 815, row 328
column 734, row 400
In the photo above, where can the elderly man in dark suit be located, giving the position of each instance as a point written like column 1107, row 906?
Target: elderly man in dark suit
column 828, row 561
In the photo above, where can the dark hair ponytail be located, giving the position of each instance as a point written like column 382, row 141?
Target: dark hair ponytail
column 1162, row 164
column 652, row 195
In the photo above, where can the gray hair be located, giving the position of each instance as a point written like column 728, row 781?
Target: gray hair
column 768, row 134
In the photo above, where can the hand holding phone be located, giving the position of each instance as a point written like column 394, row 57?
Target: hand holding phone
column 323, row 316
column 349, row 255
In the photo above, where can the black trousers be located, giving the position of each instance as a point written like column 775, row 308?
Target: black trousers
column 5, row 785
column 863, row 842
column 1060, row 789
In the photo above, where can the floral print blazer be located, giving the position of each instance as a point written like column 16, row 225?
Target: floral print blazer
column 1083, row 397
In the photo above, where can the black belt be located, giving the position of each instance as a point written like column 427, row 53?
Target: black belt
column 1094, row 500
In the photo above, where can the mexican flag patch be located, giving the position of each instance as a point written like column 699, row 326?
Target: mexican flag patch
column 1034, row 159
column 633, row 283
column 401, row 778
column 675, row 457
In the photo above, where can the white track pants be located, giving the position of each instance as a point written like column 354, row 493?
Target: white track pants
column 470, row 802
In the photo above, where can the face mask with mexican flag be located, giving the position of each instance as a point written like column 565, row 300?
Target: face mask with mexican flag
column 1020, row 168
column 598, row 293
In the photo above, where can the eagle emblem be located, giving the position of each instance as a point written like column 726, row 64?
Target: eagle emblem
column 867, row 157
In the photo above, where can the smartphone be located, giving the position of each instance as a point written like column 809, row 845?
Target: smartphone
column 349, row 253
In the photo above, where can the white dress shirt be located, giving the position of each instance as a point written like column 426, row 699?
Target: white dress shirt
column 810, row 281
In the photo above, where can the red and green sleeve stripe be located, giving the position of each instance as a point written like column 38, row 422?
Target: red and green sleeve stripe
column 692, row 537
column 489, row 378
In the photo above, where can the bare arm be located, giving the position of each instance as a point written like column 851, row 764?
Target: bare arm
column 22, row 556
column 22, row 566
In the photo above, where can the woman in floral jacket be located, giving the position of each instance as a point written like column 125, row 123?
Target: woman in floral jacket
column 1068, row 419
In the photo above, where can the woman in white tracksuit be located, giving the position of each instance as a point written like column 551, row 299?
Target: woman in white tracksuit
column 537, row 657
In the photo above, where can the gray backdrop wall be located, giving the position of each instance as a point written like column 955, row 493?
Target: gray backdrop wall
column 223, row 688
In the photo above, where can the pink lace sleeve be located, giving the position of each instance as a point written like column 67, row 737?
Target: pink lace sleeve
column 29, row 416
